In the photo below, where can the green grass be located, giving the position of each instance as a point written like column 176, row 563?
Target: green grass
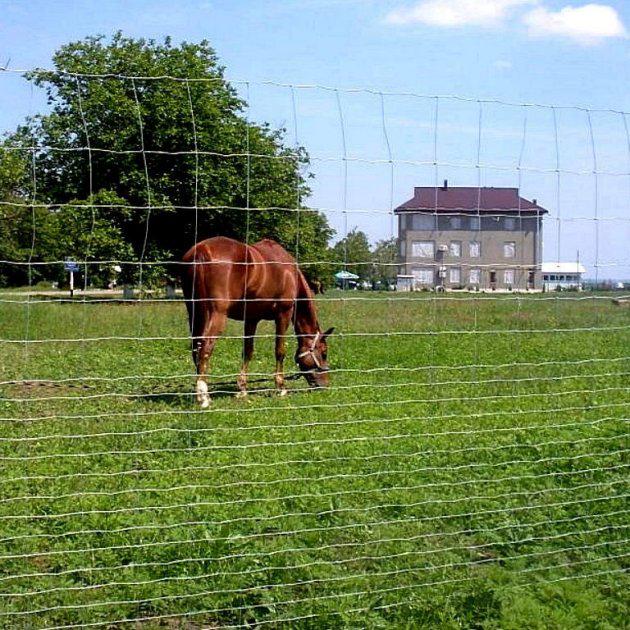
column 416, row 492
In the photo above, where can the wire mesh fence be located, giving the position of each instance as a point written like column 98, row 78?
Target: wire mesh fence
column 472, row 450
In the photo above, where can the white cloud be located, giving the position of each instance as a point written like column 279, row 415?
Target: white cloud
column 454, row 13
column 588, row 24
column 502, row 64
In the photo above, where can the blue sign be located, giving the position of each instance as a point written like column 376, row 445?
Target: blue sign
column 71, row 265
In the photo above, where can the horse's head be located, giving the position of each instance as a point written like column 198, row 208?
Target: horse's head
column 312, row 358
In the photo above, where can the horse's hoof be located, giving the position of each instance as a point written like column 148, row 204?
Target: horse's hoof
column 282, row 392
column 203, row 397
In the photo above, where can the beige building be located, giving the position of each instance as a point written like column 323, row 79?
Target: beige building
column 469, row 238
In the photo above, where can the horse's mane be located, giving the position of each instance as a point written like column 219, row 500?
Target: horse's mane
column 305, row 308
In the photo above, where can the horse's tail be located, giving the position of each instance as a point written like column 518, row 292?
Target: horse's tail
column 188, row 269
column 191, row 275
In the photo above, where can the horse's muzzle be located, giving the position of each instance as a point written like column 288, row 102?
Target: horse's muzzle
column 317, row 378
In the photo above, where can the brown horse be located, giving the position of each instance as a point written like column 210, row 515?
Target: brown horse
column 223, row 278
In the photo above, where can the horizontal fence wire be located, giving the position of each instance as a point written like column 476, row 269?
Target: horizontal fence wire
column 294, row 601
column 420, row 333
column 342, row 387
column 104, row 585
column 315, row 158
column 306, row 86
column 529, row 507
column 350, row 577
column 373, row 370
column 254, row 410
column 447, row 212
column 385, row 473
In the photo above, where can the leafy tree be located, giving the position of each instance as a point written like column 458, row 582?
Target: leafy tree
column 385, row 256
column 89, row 230
column 205, row 169
column 16, row 216
column 353, row 254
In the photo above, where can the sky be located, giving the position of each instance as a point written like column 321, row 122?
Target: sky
column 402, row 54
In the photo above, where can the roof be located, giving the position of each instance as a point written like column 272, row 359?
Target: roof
column 562, row 267
column 448, row 199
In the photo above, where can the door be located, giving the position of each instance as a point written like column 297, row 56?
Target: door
column 493, row 280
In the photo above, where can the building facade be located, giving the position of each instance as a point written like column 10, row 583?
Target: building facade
column 486, row 239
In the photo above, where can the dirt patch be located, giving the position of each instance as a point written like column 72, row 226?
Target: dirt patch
column 41, row 389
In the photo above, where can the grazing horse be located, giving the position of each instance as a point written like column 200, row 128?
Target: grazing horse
column 223, row 278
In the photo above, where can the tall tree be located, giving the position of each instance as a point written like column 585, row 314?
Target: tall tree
column 179, row 154
column 353, row 254
column 385, row 257
column 17, row 218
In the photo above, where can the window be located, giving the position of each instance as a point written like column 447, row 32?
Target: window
column 403, row 247
column 475, row 223
column 403, row 221
column 510, row 223
column 455, row 249
column 509, row 249
column 475, row 276
column 546, row 278
column 423, row 276
column 455, row 223
column 508, row 277
column 423, row 249
column 423, row 222
column 475, row 249
column 455, row 275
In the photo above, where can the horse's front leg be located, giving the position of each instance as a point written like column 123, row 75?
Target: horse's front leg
column 214, row 326
column 282, row 323
column 248, row 352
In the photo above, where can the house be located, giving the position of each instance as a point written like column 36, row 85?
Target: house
column 470, row 238
column 562, row 276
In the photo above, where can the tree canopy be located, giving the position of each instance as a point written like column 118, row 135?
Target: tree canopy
column 141, row 168
column 353, row 254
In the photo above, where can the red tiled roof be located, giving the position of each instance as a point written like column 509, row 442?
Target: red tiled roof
column 468, row 199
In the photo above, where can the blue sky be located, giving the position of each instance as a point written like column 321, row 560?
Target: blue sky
column 567, row 52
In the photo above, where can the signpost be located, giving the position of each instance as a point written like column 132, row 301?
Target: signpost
column 71, row 266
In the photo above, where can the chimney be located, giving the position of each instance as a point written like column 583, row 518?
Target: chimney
column 535, row 202
column 445, row 187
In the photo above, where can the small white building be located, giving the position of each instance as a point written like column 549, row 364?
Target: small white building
column 404, row 283
column 562, row 276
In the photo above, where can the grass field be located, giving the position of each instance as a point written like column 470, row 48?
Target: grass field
column 468, row 469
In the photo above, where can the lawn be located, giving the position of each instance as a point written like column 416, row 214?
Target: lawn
column 467, row 468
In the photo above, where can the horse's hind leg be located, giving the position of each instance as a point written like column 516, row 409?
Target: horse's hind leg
column 282, row 323
column 248, row 351
column 204, row 347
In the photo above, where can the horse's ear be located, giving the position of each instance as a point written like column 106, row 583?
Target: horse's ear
column 329, row 332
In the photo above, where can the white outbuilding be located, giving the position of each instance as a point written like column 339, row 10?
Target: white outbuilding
column 559, row 276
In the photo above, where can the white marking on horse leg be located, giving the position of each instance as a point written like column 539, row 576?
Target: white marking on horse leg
column 202, row 393
column 280, row 387
column 241, row 383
